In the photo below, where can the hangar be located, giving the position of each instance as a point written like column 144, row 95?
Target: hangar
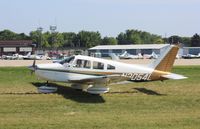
column 10, row 47
column 105, row 50
column 191, row 50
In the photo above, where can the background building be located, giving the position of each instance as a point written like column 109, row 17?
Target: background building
column 191, row 50
column 105, row 50
column 10, row 47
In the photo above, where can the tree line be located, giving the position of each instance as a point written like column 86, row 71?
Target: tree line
column 89, row 39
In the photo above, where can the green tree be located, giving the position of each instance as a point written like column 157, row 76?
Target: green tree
column 158, row 41
column 186, row 41
column 36, row 37
column 109, row 41
column 122, row 39
column 22, row 36
column 69, row 39
column 133, row 36
column 195, row 40
column 145, row 37
column 45, row 40
column 56, row 40
column 174, row 39
column 88, row 39
column 8, row 35
column 138, row 37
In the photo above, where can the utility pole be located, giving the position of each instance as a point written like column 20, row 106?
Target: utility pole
column 40, row 29
column 53, row 30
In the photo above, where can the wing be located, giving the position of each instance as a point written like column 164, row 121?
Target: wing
column 96, row 79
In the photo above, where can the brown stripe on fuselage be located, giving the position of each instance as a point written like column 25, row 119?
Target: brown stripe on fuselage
column 82, row 72
column 157, row 75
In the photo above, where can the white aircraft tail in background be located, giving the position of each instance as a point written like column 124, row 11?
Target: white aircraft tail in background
column 153, row 55
column 94, row 75
column 32, row 57
column 126, row 55
column 114, row 56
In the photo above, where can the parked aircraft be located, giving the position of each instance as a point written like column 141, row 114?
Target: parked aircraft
column 126, row 55
column 191, row 56
column 93, row 75
column 7, row 57
column 153, row 55
column 35, row 57
column 14, row 57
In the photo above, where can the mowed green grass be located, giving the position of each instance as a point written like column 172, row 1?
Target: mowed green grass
column 172, row 104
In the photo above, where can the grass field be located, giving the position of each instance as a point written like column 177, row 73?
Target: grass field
column 173, row 104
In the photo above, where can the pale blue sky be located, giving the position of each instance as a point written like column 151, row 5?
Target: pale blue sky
column 109, row 17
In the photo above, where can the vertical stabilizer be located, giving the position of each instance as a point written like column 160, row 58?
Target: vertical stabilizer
column 28, row 54
column 166, row 59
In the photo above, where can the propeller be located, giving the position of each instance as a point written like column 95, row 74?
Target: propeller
column 33, row 67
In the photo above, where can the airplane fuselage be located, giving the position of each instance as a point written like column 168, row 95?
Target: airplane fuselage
column 69, row 72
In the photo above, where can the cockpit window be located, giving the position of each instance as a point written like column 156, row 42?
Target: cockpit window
column 98, row 65
column 110, row 67
column 67, row 60
column 83, row 64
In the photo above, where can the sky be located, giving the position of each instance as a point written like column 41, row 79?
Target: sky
column 109, row 17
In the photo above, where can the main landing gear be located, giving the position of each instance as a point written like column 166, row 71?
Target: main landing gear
column 92, row 89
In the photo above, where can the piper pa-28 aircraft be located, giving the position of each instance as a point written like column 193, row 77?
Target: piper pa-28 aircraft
column 93, row 75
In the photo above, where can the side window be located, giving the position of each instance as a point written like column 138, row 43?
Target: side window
column 79, row 63
column 67, row 60
column 86, row 64
column 82, row 63
column 110, row 67
column 98, row 65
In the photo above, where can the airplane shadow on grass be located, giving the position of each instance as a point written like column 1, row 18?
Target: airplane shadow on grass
column 75, row 95
column 148, row 91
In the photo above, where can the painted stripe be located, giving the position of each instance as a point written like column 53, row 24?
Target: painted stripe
column 81, row 72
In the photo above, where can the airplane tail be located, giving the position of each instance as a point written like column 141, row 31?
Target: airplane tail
column 114, row 56
column 166, row 60
column 28, row 54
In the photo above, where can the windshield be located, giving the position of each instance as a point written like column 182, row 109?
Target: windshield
column 67, row 60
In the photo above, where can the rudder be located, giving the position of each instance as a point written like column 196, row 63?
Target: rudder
column 166, row 60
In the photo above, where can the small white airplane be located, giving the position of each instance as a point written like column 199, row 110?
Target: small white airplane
column 93, row 75
column 31, row 57
column 126, row 55
column 7, row 57
column 153, row 55
column 13, row 57
column 35, row 57
column 191, row 56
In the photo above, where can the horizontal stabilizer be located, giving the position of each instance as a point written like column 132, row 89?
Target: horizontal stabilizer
column 174, row 76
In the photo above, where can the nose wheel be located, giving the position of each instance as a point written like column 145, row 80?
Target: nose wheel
column 47, row 83
column 47, row 89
